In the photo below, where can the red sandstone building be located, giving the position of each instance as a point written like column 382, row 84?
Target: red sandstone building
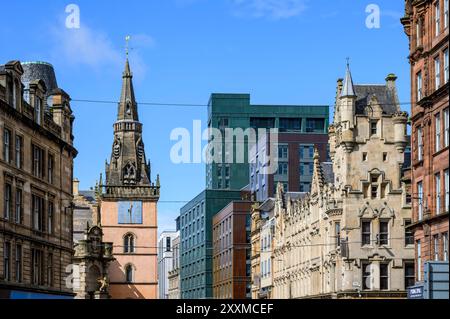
column 427, row 26
column 231, row 252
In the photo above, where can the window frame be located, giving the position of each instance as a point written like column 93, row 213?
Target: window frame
column 365, row 234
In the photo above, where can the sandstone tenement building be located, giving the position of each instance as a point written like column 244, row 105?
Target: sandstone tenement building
column 347, row 237
column 426, row 24
column 36, row 167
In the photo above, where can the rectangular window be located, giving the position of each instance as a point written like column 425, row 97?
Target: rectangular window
column 366, row 276
column 38, row 161
column 436, row 248
column 283, row 152
column 418, row 34
column 374, row 191
column 227, row 170
column 7, row 145
column 373, row 127
column 19, row 152
column 437, row 18
column 384, row 233
column 446, row 70
column 384, row 276
column 419, row 144
column 50, row 270
column 37, row 267
column 7, row 261
column 446, row 190
column 19, row 206
column 50, row 168
column 365, row 233
column 305, row 187
column 37, row 207
column 437, row 187
column 446, row 127
column 18, row 263
column 364, row 156
column 7, row 202
column 315, row 125
column 419, row 260
column 437, row 126
column 409, row 235
column 446, row 14
column 50, row 216
column 290, row 124
column 437, row 73
column 445, row 246
column 282, row 168
column 409, row 275
column 337, row 232
column 420, row 201
column 419, row 86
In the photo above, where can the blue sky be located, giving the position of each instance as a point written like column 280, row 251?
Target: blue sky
column 279, row 51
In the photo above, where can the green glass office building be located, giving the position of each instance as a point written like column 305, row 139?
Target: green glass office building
column 196, row 241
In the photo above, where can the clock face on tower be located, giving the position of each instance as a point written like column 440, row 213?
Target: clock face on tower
column 130, row 212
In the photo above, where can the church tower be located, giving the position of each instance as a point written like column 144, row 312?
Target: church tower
column 129, row 197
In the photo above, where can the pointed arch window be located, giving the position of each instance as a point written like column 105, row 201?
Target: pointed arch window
column 129, row 244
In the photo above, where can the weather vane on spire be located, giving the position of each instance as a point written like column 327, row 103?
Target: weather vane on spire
column 348, row 61
column 127, row 49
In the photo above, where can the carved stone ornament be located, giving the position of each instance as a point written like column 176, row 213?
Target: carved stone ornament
column 117, row 146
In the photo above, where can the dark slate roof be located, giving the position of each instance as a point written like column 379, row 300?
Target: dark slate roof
column 386, row 97
column 89, row 195
column 327, row 169
column 2, row 68
column 39, row 70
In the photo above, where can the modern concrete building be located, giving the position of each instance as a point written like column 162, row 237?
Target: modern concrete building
column 234, row 111
column 196, row 278
column 426, row 24
column 165, row 261
column 348, row 238
column 36, row 171
column 231, row 251
column 128, row 205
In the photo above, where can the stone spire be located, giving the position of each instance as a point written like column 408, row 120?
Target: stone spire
column 348, row 88
column 127, row 105
column 128, row 165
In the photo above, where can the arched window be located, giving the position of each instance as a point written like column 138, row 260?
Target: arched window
column 128, row 244
column 129, row 273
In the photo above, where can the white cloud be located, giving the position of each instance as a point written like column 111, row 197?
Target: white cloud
column 94, row 48
column 273, row 9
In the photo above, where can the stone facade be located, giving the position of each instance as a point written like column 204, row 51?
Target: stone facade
column 427, row 27
column 91, row 261
column 261, row 239
column 36, row 167
column 347, row 237
column 174, row 274
column 128, row 205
